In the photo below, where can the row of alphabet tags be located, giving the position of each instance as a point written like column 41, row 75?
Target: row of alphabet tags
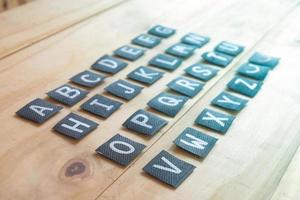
column 123, row 150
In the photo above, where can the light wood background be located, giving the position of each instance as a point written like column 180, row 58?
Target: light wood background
column 257, row 159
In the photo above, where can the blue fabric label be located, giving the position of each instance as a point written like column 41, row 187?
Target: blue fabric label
column 265, row 60
column 195, row 39
column 229, row 48
column 144, row 122
column 181, row 50
column 164, row 61
column 195, row 142
column 168, row 104
column 214, row 120
column 245, row 86
column 186, row 86
column 162, row 31
column 38, row 110
column 201, row 71
column 101, row 106
column 229, row 101
column 169, row 169
column 124, row 89
column 120, row 149
column 146, row 40
column 129, row 52
column 253, row 71
column 75, row 126
column 88, row 79
column 145, row 75
column 67, row 94
column 109, row 64
column 216, row 58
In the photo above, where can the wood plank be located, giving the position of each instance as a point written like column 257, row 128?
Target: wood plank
column 41, row 155
column 33, row 22
column 250, row 160
column 289, row 186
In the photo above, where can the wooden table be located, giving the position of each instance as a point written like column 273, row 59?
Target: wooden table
column 44, row 43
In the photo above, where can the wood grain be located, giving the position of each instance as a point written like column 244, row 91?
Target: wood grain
column 33, row 22
column 33, row 159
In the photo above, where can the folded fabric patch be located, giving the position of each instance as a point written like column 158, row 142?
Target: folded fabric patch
column 101, row 106
column 162, row 31
column 229, row 48
column 120, row 149
column 164, row 61
column 88, row 79
column 263, row 59
column 195, row 142
column 109, row 64
column 228, row 101
column 67, row 94
column 195, row 40
column 144, row 122
column 38, row 110
column 168, row 104
column 145, row 75
column 201, row 71
column 129, row 52
column 186, row 86
column 245, row 86
column 146, row 40
column 253, row 71
column 217, row 58
column 124, row 89
column 181, row 50
column 214, row 120
column 169, row 169
column 75, row 126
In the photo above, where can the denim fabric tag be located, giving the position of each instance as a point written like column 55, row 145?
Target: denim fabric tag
column 229, row 101
column 181, row 50
column 88, row 79
column 229, row 48
column 253, row 71
column 186, row 86
column 215, row 120
column 145, row 75
column 109, row 64
column 67, row 94
column 245, row 86
column 195, row 142
column 201, row 71
column 169, row 169
column 123, row 89
column 146, row 40
column 101, row 106
column 168, row 104
column 164, row 61
column 38, row 110
column 265, row 60
column 216, row 58
column 195, row 39
column 120, row 149
column 129, row 52
column 75, row 126
column 162, row 31
column 144, row 122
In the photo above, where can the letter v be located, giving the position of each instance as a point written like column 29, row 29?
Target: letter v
column 173, row 168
